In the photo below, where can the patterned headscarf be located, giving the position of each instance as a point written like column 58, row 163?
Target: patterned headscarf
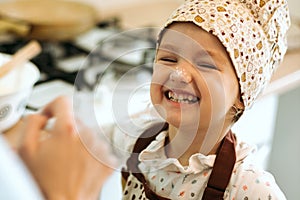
column 252, row 31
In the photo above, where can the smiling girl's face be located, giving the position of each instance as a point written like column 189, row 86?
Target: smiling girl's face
column 193, row 82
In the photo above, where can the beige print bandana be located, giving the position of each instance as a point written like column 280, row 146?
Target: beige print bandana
column 253, row 32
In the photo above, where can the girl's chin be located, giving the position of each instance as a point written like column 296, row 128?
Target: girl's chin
column 189, row 122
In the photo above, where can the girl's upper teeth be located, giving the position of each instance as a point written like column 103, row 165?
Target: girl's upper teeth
column 182, row 98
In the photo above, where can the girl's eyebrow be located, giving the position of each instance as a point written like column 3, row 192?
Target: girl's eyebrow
column 168, row 47
column 173, row 49
column 203, row 53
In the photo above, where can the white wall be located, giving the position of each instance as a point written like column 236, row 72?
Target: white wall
column 285, row 155
column 257, row 125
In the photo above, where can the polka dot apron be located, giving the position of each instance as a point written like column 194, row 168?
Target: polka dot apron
column 135, row 186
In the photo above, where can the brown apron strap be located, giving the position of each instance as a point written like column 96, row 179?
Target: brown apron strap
column 142, row 143
column 218, row 179
column 222, row 169
column 132, row 163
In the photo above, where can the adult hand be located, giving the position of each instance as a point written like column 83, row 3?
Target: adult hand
column 60, row 163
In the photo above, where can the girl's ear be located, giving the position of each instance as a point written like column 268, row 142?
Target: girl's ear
column 239, row 104
column 238, row 109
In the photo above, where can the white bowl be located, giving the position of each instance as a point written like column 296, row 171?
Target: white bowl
column 15, row 90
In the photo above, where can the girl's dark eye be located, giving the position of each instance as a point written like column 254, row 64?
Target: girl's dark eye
column 172, row 60
column 207, row 66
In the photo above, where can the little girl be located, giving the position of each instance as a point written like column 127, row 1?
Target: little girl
column 213, row 60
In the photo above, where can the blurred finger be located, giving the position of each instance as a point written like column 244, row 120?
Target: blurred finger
column 34, row 124
column 61, row 110
column 55, row 107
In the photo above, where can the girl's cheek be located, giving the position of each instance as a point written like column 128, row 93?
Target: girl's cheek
column 161, row 74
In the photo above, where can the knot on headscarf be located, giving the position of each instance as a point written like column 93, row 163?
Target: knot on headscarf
column 275, row 27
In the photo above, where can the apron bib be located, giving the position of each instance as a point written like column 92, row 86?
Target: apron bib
column 135, row 185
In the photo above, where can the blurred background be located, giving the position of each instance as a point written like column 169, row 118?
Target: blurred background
column 75, row 35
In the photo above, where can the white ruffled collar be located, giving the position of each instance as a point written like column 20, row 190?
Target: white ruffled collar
column 154, row 157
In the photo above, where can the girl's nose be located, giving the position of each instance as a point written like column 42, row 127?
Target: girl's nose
column 180, row 75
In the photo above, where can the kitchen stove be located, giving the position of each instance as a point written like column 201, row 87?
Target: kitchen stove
column 80, row 63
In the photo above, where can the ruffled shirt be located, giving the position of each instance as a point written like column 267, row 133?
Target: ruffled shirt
column 168, row 178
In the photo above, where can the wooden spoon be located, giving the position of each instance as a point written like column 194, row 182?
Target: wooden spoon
column 24, row 54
